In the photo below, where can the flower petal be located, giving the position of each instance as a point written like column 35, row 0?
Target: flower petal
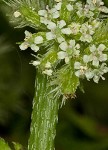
column 17, row 14
column 51, row 25
column 61, row 24
column 24, row 46
column 63, row 46
column 95, row 63
column 42, row 13
column 93, row 48
column 66, row 31
column 48, row 72
column 36, row 63
column 101, row 47
column 38, row 40
column 77, row 65
column 61, row 55
column 86, row 58
column 34, row 47
column 50, row 36
column 48, row 65
column 69, row 7
column 56, row 14
column 60, row 39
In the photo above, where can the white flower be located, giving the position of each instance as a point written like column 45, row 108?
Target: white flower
column 83, row 70
column 80, row 72
column 17, row 14
column 69, row 50
column 97, row 54
column 52, row 26
column 86, row 38
column 34, row 47
column 95, row 24
column 49, row 14
column 75, row 28
column 103, row 9
column 98, row 73
column 38, row 40
column 87, row 32
column 55, row 29
column 80, row 69
column 48, row 72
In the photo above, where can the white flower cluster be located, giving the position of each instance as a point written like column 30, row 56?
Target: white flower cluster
column 74, row 40
column 93, row 65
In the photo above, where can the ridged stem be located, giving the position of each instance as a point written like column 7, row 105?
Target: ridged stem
column 44, row 116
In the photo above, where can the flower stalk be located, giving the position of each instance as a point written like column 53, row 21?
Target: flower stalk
column 44, row 116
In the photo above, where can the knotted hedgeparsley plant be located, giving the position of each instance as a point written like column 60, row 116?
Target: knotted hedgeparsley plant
column 69, row 45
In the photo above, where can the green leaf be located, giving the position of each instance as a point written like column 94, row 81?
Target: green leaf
column 64, row 14
column 50, row 56
column 67, row 80
column 43, row 3
column 101, row 35
column 4, row 145
column 17, row 146
column 31, row 17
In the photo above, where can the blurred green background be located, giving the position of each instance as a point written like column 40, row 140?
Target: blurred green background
column 83, row 121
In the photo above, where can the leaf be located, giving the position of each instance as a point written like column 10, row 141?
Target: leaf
column 17, row 146
column 4, row 145
column 50, row 56
column 43, row 3
column 101, row 35
column 64, row 14
column 67, row 80
column 30, row 16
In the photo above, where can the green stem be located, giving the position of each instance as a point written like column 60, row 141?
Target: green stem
column 44, row 117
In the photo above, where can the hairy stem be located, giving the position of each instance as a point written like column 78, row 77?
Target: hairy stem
column 44, row 117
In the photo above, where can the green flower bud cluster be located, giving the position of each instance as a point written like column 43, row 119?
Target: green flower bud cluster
column 66, row 45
